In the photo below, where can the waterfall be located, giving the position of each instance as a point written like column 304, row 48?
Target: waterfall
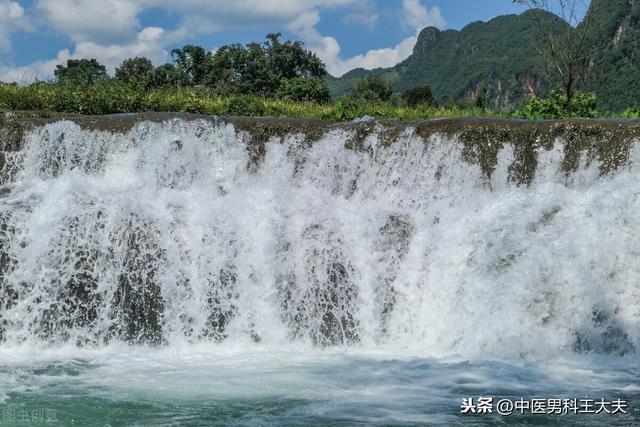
column 181, row 232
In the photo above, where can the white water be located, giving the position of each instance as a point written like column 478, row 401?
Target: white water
column 165, row 235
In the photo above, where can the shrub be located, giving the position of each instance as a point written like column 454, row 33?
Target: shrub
column 418, row 95
column 482, row 98
column 304, row 89
column 372, row 89
column 631, row 113
column 245, row 105
column 583, row 104
column 347, row 109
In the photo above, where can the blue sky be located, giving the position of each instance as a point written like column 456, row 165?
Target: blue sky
column 35, row 35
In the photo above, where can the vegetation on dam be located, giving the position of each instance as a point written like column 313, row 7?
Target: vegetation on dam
column 109, row 96
column 114, row 97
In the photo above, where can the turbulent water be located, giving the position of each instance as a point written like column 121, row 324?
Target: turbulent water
column 171, row 275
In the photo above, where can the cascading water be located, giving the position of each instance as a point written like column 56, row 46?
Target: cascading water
column 174, row 235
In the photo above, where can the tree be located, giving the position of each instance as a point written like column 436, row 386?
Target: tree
column 254, row 74
column 227, row 69
column 135, row 70
column 372, row 88
column 261, row 68
column 289, row 60
column 418, row 95
column 304, row 89
column 193, row 61
column 566, row 56
column 81, row 71
column 481, row 98
column 168, row 75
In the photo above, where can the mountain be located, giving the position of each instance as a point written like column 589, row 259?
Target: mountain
column 500, row 55
column 615, row 39
column 503, row 56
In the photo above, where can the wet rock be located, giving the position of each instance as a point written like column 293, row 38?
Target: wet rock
column 605, row 335
column 322, row 304
column 392, row 246
column 221, row 300
column 138, row 306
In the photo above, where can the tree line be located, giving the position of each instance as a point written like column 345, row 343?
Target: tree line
column 272, row 69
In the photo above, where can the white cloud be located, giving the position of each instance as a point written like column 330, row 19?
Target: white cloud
column 39, row 70
column 12, row 18
column 114, row 21
column 417, row 16
column 206, row 16
column 328, row 48
column 99, row 21
column 150, row 42
column 365, row 15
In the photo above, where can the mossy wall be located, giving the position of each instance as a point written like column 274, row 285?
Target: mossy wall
column 606, row 141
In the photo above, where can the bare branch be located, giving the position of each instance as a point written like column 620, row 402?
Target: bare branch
column 565, row 54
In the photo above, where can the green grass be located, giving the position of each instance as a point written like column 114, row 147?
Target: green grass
column 113, row 97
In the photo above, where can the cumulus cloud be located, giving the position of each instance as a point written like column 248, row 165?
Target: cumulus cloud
column 83, row 18
column 12, row 18
column 150, row 42
column 415, row 15
column 206, row 16
column 102, row 21
column 39, row 70
column 364, row 15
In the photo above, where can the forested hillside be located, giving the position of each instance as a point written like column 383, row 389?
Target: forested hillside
column 501, row 60
column 615, row 38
